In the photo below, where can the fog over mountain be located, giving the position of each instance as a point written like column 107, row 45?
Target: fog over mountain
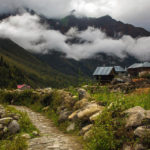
column 28, row 31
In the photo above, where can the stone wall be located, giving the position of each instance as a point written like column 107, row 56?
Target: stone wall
column 8, row 123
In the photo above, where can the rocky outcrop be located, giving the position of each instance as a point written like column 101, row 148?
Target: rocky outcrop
column 138, row 121
column 78, row 110
column 71, row 127
column 13, row 127
column 136, row 147
column 86, row 129
column 96, row 115
column 142, row 131
column 83, row 94
column 63, row 116
column 8, row 122
column 136, row 116
column 89, row 110
column 81, row 103
column 67, row 99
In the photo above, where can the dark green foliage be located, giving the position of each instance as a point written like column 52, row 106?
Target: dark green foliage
column 10, row 76
column 24, row 66
column 13, row 143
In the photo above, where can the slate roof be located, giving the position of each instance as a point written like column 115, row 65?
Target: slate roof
column 103, row 71
column 140, row 65
column 119, row 69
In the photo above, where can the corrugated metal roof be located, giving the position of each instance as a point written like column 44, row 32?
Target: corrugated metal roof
column 119, row 69
column 103, row 71
column 139, row 65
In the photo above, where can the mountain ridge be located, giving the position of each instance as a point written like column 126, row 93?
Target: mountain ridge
column 54, row 68
column 39, row 74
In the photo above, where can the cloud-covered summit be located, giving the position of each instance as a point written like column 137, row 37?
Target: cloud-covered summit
column 27, row 31
column 130, row 11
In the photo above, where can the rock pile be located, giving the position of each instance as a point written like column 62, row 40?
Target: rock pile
column 8, row 122
column 81, row 110
column 129, row 86
column 138, row 121
column 85, row 112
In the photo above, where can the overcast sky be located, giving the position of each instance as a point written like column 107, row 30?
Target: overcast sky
column 27, row 31
column 135, row 12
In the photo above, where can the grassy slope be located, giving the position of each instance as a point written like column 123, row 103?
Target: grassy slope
column 39, row 74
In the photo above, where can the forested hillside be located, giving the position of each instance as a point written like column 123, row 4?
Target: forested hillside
column 10, row 76
column 37, row 73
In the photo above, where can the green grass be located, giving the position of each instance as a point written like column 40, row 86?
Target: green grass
column 13, row 143
column 104, row 96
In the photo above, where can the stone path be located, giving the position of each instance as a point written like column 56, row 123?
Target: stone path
column 51, row 138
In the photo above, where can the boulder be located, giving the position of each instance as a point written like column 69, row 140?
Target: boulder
column 83, row 94
column 71, row 127
column 88, row 111
column 147, row 115
column 87, row 135
column 5, row 129
column 139, row 147
column 16, row 117
column 95, row 116
column 73, row 116
column 5, row 121
column 35, row 133
column 13, row 127
column 2, row 110
column 64, row 115
column 142, row 131
column 85, row 86
column 86, row 128
column 126, row 147
column 26, row 136
column 67, row 99
column 45, row 108
column 1, row 126
column 80, row 104
column 135, row 116
column 117, row 81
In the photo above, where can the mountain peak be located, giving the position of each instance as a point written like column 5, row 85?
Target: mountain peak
column 106, row 17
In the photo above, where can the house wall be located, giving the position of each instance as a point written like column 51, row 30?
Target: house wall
column 135, row 72
column 105, row 79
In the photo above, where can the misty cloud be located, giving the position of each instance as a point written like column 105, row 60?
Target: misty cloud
column 27, row 31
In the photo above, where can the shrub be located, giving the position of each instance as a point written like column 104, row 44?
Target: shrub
column 13, row 143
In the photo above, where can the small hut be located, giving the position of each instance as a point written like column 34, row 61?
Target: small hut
column 104, row 74
column 119, row 70
column 23, row 87
column 137, row 68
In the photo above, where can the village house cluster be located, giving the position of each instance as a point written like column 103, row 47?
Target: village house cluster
column 107, row 74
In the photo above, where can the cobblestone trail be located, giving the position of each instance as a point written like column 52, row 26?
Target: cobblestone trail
column 51, row 138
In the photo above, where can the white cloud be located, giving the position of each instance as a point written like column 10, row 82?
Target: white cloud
column 27, row 31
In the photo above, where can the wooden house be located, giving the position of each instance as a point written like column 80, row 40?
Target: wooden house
column 104, row 74
column 137, row 68
column 119, row 70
